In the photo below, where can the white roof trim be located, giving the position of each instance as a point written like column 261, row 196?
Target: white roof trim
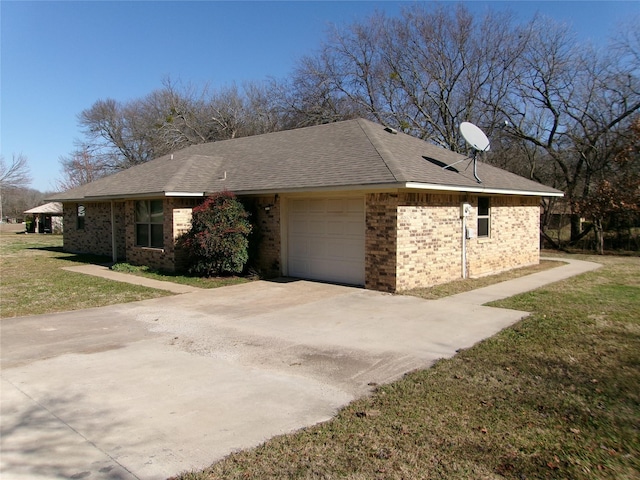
column 184, row 194
column 407, row 185
column 338, row 188
column 479, row 189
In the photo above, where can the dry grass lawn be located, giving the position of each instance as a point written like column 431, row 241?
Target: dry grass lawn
column 32, row 280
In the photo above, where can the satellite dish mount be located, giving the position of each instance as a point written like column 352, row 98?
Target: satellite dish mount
column 477, row 140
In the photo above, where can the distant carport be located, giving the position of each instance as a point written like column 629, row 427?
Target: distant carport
column 47, row 217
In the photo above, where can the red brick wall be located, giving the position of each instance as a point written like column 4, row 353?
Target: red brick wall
column 266, row 212
column 381, row 221
column 177, row 218
column 95, row 237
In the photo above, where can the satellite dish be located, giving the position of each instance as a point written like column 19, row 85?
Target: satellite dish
column 477, row 140
column 474, row 136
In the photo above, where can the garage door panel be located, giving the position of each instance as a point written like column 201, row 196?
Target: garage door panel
column 317, row 227
column 298, row 206
column 299, row 225
column 299, row 250
column 354, row 228
column 316, row 206
column 326, row 239
column 336, row 205
column 355, row 205
column 317, row 248
column 335, row 228
column 346, row 249
column 300, row 268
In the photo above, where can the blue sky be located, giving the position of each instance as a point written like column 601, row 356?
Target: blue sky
column 58, row 58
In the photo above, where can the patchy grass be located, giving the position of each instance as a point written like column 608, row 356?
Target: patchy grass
column 468, row 284
column 32, row 281
column 200, row 282
column 555, row 396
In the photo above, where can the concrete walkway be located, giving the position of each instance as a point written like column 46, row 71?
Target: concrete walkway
column 479, row 296
column 148, row 389
column 106, row 272
column 509, row 288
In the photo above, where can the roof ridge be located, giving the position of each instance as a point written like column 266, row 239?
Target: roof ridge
column 385, row 154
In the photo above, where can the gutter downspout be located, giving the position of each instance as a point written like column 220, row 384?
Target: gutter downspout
column 114, row 247
column 464, row 246
column 465, row 211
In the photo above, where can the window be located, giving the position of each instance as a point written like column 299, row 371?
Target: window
column 484, row 209
column 149, row 220
column 80, row 211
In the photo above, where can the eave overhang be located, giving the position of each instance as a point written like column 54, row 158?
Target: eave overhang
column 129, row 196
column 480, row 189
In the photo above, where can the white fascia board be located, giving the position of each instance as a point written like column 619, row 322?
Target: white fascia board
column 485, row 190
column 403, row 185
column 184, row 194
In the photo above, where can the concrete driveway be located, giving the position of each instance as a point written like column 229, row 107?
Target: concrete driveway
column 149, row 389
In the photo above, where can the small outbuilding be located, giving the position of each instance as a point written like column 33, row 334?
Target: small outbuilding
column 351, row 202
column 47, row 218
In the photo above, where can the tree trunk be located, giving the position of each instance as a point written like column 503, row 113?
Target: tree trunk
column 549, row 240
column 576, row 228
column 597, row 223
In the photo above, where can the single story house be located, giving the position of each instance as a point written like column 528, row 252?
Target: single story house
column 350, row 202
column 47, row 218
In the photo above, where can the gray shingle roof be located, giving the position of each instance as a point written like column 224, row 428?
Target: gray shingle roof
column 351, row 154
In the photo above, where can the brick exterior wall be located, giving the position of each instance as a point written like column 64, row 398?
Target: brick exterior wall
column 381, row 222
column 514, row 239
column 429, row 240
column 427, row 249
column 181, row 225
column 412, row 239
column 176, row 221
column 95, row 237
column 266, row 240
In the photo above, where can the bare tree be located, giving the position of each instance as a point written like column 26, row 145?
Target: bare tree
column 119, row 135
column 80, row 168
column 615, row 192
column 13, row 176
column 566, row 106
column 113, row 132
column 571, row 105
column 424, row 73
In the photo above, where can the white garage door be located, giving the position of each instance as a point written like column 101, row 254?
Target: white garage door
column 326, row 239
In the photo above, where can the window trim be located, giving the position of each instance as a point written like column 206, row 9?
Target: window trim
column 149, row 224
column 484, row 217
column 81, row 213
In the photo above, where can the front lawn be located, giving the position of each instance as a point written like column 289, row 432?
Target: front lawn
column 32, row 280
column 555, row 396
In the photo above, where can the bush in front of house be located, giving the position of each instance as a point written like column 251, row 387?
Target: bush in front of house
column 217, row 242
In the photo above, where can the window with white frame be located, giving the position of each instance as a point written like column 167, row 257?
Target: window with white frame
column 484, row 217
column 149, row 223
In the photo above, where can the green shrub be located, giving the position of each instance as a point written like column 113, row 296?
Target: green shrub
column 217, row 242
